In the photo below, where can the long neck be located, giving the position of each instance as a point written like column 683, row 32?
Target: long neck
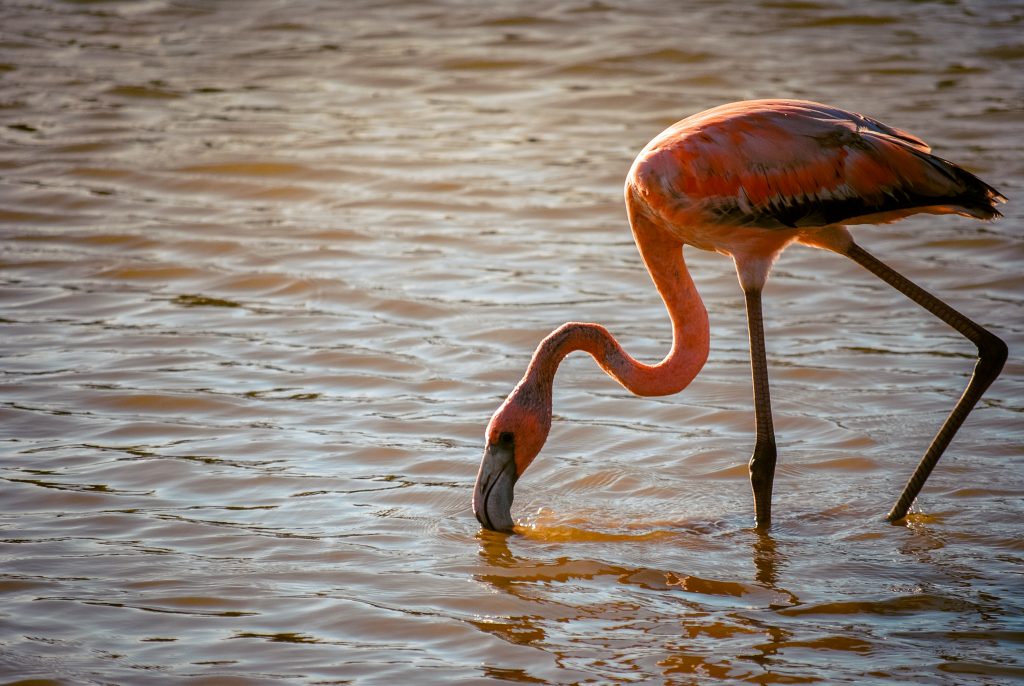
column 662, row 254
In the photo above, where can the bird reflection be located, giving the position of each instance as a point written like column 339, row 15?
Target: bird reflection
column 766, row 558
column 681, row 619
column 510, row 573
column 494, row 548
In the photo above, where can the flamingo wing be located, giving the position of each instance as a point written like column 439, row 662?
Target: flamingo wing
column 789, row 164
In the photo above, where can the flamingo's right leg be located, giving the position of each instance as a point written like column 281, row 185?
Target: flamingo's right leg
column 992, row 354
column 762, row 463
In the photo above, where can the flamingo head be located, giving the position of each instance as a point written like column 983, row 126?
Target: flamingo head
column 515, row 435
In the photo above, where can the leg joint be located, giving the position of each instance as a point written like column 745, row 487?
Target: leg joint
column 762, row 462
column 992, row 353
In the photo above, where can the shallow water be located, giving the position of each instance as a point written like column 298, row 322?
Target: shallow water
column 267, row 269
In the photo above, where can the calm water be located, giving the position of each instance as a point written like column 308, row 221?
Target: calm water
column 268, row 267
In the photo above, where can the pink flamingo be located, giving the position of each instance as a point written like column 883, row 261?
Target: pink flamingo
column 747, row 179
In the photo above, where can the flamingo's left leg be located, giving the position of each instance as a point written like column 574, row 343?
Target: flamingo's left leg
column 762, row 463
column 992, row 354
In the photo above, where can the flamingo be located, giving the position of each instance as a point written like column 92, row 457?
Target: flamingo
column 746, row 180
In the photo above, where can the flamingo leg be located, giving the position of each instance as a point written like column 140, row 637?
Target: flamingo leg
column 992, row 354
column 762, row 463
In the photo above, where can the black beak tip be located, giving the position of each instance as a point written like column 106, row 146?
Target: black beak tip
column 495, row 520
column 495, row 489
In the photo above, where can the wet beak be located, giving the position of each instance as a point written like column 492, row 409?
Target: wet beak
column 492, row 496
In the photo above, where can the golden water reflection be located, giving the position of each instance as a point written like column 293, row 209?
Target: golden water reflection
column 694, row 628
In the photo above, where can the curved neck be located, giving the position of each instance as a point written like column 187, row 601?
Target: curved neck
column 662, row 254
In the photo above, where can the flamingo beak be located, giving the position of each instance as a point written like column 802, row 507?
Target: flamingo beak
column 494, row 490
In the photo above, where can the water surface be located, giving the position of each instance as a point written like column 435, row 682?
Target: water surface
column 267, row 269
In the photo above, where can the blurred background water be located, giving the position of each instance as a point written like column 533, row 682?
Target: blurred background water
column 268, row 267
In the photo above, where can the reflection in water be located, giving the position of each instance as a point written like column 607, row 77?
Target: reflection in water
column 683, row 597
column 494, row 549
column 688, row 622
column 765, row 558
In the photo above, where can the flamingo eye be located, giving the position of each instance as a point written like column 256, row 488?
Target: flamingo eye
column 506, row 438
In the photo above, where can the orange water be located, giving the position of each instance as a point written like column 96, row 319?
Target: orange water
column 267, row 268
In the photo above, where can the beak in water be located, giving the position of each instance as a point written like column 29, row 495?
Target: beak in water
column 495, row 483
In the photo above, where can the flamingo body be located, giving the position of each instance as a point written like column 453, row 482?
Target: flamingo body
column 746, row 180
